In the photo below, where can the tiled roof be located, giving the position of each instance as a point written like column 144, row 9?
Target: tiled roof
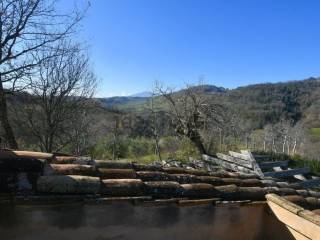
column 68, row 177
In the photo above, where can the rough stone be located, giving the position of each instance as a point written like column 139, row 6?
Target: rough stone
column 68, row 184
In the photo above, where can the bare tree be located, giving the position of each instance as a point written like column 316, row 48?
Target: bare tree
column 59, row 96
column 297, row 137
column 155, row 125
column 26, row 27
column 284, row 135
column 190, row 110
column 270, row 136
column 116, row 130
column 283, row 128
column 80, row 133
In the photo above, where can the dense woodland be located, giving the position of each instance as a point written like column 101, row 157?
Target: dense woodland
column 279, row 118
column 47, row 102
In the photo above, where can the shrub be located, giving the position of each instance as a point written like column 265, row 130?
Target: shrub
column 138, row 147
column 143, row 149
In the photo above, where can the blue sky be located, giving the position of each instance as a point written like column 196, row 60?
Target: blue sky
column 227, row 43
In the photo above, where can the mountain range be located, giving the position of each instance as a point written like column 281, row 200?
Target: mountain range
column 142, row 94
column 260, row 104
column 139, row 99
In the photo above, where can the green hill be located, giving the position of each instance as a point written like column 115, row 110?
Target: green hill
column 129, row 103
column 268, row 103
column 260, row 103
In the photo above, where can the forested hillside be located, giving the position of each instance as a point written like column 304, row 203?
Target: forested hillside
column 281, row 117
column 261, row 103
column 269, row 103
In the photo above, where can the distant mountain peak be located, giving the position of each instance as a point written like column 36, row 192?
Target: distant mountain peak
column 144, row 94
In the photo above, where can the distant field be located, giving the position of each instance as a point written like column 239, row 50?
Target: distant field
column 315, row 131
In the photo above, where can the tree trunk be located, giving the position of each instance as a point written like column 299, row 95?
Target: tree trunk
column 284, row 144
column 114, row 148
column 9, row 135
column 157, row 149
column 220, row 140
column 274, row 146
column 50, row 143
column 247, row 141
column 196, row 139
column 294, row 147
